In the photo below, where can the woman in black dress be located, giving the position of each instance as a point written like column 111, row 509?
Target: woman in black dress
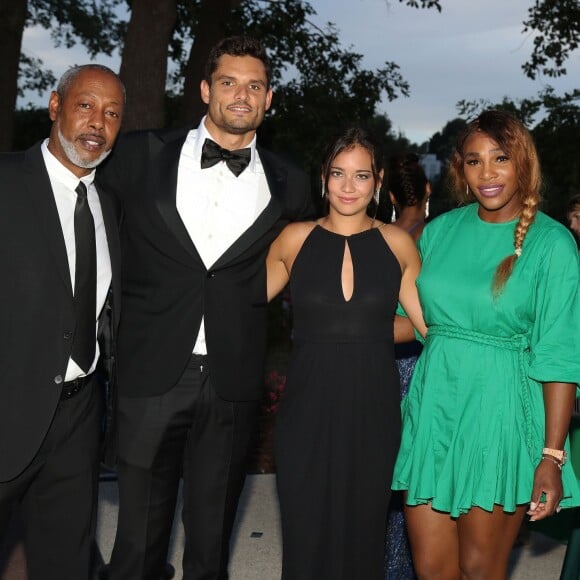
column 338, row 426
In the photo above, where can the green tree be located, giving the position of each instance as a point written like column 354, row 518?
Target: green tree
column 293, row 41
column 327, row 85
column 442, row 143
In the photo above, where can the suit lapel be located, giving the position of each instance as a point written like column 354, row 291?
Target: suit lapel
column 112, row 231
column 165, row 156
column 276, row 175
column 37, row 187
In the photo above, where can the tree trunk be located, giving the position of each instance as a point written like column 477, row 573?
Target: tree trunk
column 210, row 30
column 12, row 19
column 144, row 62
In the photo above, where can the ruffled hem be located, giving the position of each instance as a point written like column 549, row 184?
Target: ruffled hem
column 469, row 477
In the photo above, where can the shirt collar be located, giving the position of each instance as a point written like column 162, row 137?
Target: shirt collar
column 59, row 173
column 203, row 134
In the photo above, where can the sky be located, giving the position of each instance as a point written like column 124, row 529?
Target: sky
column 472, row 50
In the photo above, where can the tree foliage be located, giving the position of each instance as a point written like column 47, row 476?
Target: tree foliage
column 94, row 23
column 556, row 24
column 319, row 85
column 12, row 20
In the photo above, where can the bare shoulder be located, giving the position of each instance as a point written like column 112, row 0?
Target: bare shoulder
column 401, row 244
column 291, row 238
column 395, row 235
column 299, row 228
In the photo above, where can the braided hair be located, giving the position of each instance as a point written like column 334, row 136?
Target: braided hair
column 516, row 141
column 407, row 180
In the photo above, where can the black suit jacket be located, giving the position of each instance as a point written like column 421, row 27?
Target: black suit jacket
column 36, row 307
column 166, row 287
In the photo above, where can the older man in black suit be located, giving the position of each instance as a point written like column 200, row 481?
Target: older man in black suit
column 59, row 259
column 201, row 206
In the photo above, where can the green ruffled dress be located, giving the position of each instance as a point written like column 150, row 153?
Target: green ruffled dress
column 473, row 421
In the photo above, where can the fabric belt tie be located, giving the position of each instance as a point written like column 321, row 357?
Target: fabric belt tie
column 72, row 388
column 518, row 343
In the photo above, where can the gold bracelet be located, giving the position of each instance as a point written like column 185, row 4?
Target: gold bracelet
column 553, row 460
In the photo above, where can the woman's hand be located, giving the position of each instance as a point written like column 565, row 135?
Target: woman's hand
column 547, row 491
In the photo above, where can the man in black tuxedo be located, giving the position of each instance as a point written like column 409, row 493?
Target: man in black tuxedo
column 201, row 206
column 59, row 258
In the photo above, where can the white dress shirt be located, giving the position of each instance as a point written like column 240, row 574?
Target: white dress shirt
column 64, row 183
column 215, row 206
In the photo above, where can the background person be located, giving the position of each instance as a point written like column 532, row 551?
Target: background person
column 573, row 216
column 486, row 418
column 338, row 426
column 409, row 191
column 60, row 256
column 201, row 205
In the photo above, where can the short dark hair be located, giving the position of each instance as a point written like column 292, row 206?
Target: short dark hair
column 237, row 46
column 73, row 72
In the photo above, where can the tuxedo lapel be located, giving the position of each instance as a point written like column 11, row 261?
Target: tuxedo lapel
column 37, row 186
column 165, row 156
column 276, row 176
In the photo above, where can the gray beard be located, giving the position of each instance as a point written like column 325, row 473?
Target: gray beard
column 74, row 156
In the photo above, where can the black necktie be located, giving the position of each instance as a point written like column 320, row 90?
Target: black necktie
column 85, row 292
column 236, row 160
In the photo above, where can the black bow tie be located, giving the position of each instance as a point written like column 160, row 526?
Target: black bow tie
column 212, row 153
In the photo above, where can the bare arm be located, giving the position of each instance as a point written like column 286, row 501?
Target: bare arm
column 282, row 253
column 558, row 403
column 406, row 253
column 277, row 275
column 403, row 329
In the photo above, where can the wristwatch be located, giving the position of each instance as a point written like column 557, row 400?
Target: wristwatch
column 559, row 454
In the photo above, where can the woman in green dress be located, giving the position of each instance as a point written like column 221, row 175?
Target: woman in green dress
column 486, row 419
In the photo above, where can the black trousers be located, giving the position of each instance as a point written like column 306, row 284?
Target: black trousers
column 58, row 492
column 187, row 432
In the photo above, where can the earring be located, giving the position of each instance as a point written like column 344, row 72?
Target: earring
column 376, row 196
column 466, row 190
column 394, row 216
column 427, row 209
column 323, row 187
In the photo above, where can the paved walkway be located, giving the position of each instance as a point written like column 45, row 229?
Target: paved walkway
column 256, row 543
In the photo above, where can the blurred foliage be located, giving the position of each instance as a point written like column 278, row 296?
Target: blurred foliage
column 31, row 125
column 95, row 23
column 555, row 25
column 321, row 86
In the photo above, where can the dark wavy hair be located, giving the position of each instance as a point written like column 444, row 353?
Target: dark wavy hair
column 517, row 143
column 345, row 142
column 237, row 46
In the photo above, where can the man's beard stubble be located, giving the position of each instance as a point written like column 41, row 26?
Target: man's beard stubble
column 74, row 156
